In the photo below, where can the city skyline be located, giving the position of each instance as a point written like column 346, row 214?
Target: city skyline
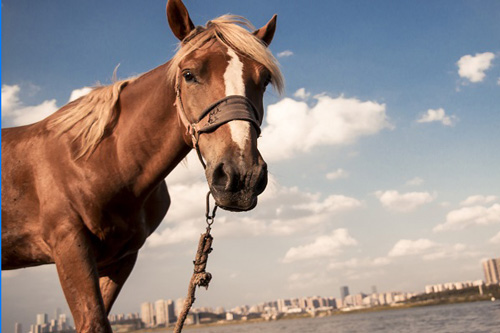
column 164, row 312
column 380, row 152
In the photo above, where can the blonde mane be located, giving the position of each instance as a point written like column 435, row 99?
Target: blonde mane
column 230, row 30
column 92, row 115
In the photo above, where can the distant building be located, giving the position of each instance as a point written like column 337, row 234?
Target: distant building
column 491, row 269
column 284, row 305
column 57, row 312
column 170, row 308
column 147, row 314
column 331, row 302
column 382, row 300
column 437, row 288
column 42, row 318
column 63, row 322
column 18, row 328
column 371, row 300
column 344, row 292
column 354, row 300
column 339, row 303
column 161, row 312
column 179, row 305
column 221, row 310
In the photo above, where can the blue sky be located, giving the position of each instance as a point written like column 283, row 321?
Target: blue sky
column 404, row 193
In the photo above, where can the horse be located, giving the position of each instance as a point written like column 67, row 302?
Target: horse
column 85, row 187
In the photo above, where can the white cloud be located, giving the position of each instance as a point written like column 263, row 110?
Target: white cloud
column 332, row 204
column 405, row 247
column 471, row 215
column 362, row 263
column 284, row 54
column 323, row 246
column 301, row 93
column 417, row 181
column 187, row 232
column 77, row 93
column 297, row 281
column 294, row 127
column 10, row 97
column 454, row 251
column 15, row 113
column 337, row 174
column 406, row 202
column 495, row 239
column 473, row 67
column 479, row 200
column 438, row 115
column 281, row 211
column 429, row 250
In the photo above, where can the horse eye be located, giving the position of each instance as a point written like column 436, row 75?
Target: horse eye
column 188, row 76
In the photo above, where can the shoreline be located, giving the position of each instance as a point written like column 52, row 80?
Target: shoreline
column 328, row 313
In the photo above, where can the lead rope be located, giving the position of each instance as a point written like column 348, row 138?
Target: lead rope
column 200, row 277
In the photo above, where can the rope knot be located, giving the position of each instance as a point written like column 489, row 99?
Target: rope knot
column 202, row 279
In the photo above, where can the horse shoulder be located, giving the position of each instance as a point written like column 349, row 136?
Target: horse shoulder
column 22, row 242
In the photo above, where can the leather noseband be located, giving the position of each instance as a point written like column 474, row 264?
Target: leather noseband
column 229, row 108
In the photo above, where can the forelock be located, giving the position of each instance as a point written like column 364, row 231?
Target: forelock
column 234, row 32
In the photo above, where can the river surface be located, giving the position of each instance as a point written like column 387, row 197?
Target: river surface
column 478, row 317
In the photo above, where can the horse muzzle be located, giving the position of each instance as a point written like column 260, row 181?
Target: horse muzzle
column 234, row 183
column 234, row 187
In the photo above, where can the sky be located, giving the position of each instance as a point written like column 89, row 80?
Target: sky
column 382, row 153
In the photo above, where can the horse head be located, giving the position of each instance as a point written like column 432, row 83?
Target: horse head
column 221, row 72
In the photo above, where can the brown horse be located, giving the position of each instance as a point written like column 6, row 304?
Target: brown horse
column 85, row 187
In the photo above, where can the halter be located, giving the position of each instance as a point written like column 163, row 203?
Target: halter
column 229, row 108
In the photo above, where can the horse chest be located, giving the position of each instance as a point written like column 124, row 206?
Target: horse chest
column 123, row 232
column 119, row 234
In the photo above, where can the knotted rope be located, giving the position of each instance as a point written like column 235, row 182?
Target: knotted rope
column 200, row 277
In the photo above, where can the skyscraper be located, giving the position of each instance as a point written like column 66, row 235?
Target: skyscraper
column 344, row 291
column 18, row 328
column 161, row 312
column 170, row 312
column 491, row 269
column 57, row 312
column 62, row 322
column 179, row 305
column 42, row 318
column 147, row 314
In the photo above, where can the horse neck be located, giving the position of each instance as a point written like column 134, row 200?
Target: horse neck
column 149, row 138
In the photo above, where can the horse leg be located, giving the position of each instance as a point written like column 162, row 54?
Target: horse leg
column 113, row 277
column 77, row 271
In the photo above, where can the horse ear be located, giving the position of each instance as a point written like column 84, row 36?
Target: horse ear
column 178, row 19
column 266, row 33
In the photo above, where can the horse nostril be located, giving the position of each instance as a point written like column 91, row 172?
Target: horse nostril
column 218, row 172
column 224, row 178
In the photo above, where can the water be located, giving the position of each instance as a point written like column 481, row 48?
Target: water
column 479, row 317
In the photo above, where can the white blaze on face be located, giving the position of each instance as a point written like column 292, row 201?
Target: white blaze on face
column 233, row 80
